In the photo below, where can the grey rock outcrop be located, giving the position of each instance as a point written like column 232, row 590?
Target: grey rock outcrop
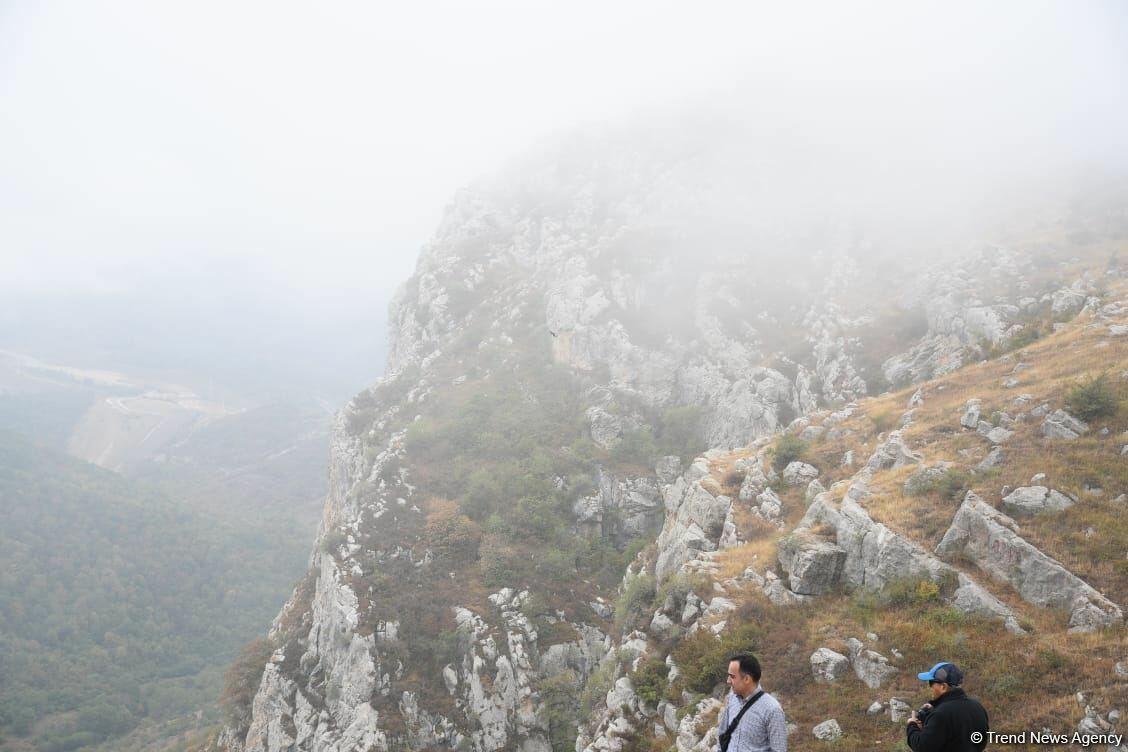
column 695, row 520
column 876, row 556
column 1067, row 301
column 828, row 666
column 814, row 566
column 1061, row 425
column 925, row 479
column 994, row 458
column 606, row 428
column 899, row 710
column 620, row 508
column 892, row 453
column 873, row 668
column 814, row 488
column 799, row 473
column 668, row 468
column 959, row 323
column 988, row 538
column 1031, row 500
column 827, row 731
column 970, row 418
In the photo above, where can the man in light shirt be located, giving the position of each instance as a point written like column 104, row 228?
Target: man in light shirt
column 752, row 720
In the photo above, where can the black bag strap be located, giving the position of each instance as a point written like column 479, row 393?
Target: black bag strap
column 726, row 737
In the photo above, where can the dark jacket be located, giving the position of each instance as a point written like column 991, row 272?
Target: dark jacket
column 949, row 725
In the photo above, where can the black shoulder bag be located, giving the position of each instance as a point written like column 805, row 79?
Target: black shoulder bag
column 726, row 736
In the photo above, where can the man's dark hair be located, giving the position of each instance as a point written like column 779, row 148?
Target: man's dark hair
column 749, row 666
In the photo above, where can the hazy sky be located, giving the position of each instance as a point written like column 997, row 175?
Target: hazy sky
column 312, row 146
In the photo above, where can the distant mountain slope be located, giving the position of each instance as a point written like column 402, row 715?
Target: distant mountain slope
column 118, row 605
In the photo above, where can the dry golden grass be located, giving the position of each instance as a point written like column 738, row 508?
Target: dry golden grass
column 761, row 549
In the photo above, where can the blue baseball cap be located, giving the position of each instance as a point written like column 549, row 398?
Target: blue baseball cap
column 949, row 673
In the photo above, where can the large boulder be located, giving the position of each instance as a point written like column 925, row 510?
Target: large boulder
column 828, row 666
column 1061, row 425
column 814, row 566
column 799, row 473
column 769, row 506
column 988, row 538
column 1067, row 301
column 970, row 417
column 873, row 668
column 1030, row 500
column 994, row 459
column 892, row 453
column 827, row 731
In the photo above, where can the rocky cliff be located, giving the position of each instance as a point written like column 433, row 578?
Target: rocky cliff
column 567, row 496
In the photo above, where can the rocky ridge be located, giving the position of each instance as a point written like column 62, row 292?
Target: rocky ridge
column 736, row 536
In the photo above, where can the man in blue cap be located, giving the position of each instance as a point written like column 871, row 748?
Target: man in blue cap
column 952, row 722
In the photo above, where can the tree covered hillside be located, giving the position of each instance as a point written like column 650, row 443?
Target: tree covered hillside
column 117, row 606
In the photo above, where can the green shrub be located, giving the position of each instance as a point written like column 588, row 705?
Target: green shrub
column 1091, row 398
column 555, row 566
column 679, row 432
column 636, row 602
column 502, row 564
column 1028, row 336
column 679, row 587
column 636, row 448
column 331, row 540
column 911, row 592
column 788, row 449
column 950, row 484
column 596, row 689
column 453, row 537
column 559, row 696
column 650, row 680
column 703, row 658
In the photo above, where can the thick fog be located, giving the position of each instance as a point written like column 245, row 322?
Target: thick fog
column 247, row 183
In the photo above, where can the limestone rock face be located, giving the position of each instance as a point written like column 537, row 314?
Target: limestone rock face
column 606, row 428
column 899, row 710
column 621, row 508
column 814, row 566
column 959, row 322
column 668, row 468
column 694, row 524
column 1031, row 500
column 688, row 739
column 989, row 539
column 876, row 556
column 560, row 261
